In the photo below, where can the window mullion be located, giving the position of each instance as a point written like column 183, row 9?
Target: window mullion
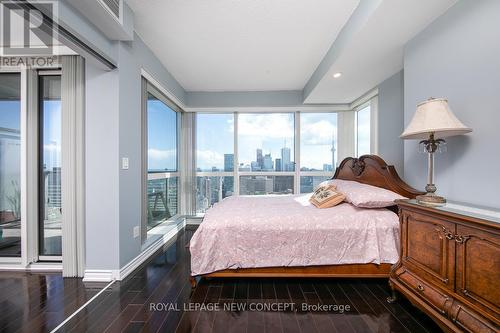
column 296, row 188
column 236, row 177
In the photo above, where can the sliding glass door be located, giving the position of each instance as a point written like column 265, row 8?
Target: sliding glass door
column 10, row 165
column 50, row 209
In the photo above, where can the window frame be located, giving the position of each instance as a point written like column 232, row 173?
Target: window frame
column 216, row 173
column 29, row 182
column 149, row 87
column 25, row 208
column 40, row 117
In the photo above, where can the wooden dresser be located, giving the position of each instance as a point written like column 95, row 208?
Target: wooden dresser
column 450, row 265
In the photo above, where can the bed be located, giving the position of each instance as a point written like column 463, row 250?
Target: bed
column 285, row 236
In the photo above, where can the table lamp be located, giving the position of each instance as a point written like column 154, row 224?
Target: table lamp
column 433, row 121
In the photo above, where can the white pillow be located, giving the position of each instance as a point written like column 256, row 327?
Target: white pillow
column 363, row 195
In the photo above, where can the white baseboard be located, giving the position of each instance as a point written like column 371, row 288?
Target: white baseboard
column 45, row 267
column 33, row 267
column 100, row 275
column 147, row 253
column 95, row 275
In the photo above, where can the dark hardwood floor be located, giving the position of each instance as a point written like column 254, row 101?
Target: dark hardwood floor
column 158, row 298
column 32, row 302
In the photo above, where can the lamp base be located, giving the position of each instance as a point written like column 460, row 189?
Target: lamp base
column 430, row 199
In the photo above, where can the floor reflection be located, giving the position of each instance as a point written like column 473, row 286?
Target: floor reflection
column 39, row 302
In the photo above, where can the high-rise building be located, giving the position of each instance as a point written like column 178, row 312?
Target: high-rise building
column 228, row 182
column 285, row 159
column 54, row 187
column 283, row 184
column 254, row 166
column 260, row 159
column 268, row 162
column 251, row 185
column 277, row 165
column 228, row 162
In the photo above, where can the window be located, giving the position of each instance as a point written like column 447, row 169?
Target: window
column 318, row 149
column 266, row 145
column 214, row 158
column 162, row 187
column 215, row 142
column 318, row 141
column 254, row 153
column 363, row 130
column 162, row 136
column 266, row 142
column 50, row 133
column 10, row 164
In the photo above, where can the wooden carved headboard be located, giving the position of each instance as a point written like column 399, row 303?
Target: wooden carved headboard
column 372, row 170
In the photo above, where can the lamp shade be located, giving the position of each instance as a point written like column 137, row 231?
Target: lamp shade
column 434, row 116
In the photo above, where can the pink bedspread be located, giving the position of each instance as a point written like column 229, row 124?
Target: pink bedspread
column 273, row 231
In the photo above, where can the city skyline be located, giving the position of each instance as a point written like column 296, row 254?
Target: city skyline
column 265, row 162
column 269, row 132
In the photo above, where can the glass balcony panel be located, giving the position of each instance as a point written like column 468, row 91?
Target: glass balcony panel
column 162, row 200
column 260, row 185
column 212, row 189
column 309, row 183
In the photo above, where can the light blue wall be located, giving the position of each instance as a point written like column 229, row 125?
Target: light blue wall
column 390, row 121
column 458, row 57
column 244, row 99
column 101, row 169
column 114, row 131
column 132, row 57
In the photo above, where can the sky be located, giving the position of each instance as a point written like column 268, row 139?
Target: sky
column 10, row 114
column 162, row 136
column 52, row 132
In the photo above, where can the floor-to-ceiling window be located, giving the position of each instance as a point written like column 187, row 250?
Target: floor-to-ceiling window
column 10, row 165
column 50, row 166
column 214, row 158
column 266, row 153
column 363, row 130
column 255, row 153
column 318, row 149
column 161, row 124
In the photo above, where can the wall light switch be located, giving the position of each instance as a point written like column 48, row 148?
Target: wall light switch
column 137, row 231
column 125, row 163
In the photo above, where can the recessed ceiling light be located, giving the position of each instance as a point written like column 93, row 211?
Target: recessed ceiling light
column 337, row 75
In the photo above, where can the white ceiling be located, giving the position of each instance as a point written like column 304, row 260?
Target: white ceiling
column 245, row 45
column 376, row 51
column 266, row 45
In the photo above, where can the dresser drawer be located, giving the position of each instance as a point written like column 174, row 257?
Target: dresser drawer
column 427, row 249
column 429, row 294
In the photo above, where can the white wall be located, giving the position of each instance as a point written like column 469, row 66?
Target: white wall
column 458, row 57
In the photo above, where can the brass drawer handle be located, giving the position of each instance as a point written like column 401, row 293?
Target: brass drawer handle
column 420, row 287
